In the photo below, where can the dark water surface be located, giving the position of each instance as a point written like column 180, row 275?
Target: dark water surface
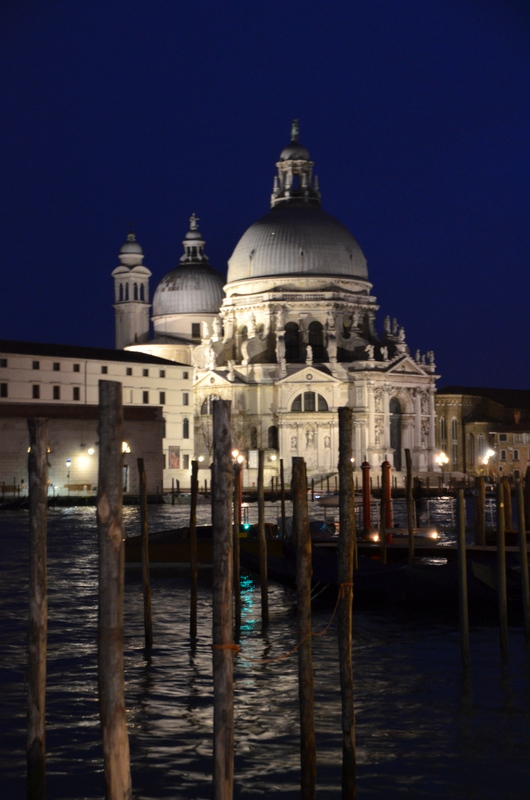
column 424, row 729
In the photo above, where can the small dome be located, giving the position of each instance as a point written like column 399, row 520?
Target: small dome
column 295, row 152
column 189, row 289
column 131, row 246
column 297, row 239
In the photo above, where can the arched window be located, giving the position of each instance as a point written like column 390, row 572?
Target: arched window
column 126, row 291
column 443, row 430
column 395, row 430
column 253, row 438
column 273, row 438
column 135, row 291
column 454, row 429
column 185, row 428
column 292, row 343
column 480, row 445
column 471, row 450
column 309, row 401
column 142, row 292
column 316, row 341
column 121, row 291
column 206, row 406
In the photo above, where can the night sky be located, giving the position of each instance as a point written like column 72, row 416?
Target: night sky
column 416, row 113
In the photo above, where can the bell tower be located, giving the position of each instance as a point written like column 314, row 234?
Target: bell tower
column 131, row 295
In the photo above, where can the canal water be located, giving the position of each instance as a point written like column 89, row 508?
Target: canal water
column 424, row 728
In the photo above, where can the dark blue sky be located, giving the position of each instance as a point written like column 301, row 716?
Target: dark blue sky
column 416, row 114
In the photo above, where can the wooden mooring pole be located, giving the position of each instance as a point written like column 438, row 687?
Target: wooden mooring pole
column 262, row 543
column 222, row 628
column 111, row 579
column 462, row 578
column 146, row 583
column 410, row 504
column 346, row 555
column 480, row 510
column 523, row 557
column 501, row 568
column 282, row 498
column 38, row 610
column 238, row 475
column 194, row 572
column 303, row 598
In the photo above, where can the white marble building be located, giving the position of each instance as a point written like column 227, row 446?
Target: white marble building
column 290, row 337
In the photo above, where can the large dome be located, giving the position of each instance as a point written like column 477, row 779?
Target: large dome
column 189, row 289
column 296, row 238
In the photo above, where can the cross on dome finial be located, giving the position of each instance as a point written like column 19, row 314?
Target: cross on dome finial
column 194, row 220
column 295, row 131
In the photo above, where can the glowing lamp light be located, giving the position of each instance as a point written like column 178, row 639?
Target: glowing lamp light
column 487, row 455
column 68, row 462
column 240, row 459
column 235, row 453
column 201, row 458
column 90, row 451
column 442, row 460
column 273, row 458
column 125, row 447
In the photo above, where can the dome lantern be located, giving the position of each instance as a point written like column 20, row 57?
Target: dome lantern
column 294, row 181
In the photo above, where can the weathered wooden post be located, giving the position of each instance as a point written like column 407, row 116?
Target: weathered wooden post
column 172, row 491
column 303, row 597
column 148, row 624
column 222, row 628
column 262, row 543
column 194, row 572
column 282, row 498
column 501, row 569
column 111, row 580
column 507, row 500
column 38, row 609
column 523, row 556
column 387, row 484
column 480, row 510
column 527, row 494
column 410, row 504
column 312, row 490
column 236, row 555
column 382, row 513
column 346, row 551
column 367, row 487
column 462, row 579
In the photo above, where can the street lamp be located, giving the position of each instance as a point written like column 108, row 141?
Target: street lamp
column 441, row 459
column 68, row 465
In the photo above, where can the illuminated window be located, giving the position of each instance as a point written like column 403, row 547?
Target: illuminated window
column 309, row 401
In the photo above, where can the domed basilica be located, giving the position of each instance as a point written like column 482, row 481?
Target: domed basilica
column 289, row 337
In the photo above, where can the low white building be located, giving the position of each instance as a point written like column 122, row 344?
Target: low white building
column 61, row 382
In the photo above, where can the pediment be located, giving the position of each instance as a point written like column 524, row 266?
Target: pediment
column 309, row 374
column 214, row 378
column 406, row 365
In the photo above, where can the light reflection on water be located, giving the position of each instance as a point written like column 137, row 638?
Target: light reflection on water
column 422, row 729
